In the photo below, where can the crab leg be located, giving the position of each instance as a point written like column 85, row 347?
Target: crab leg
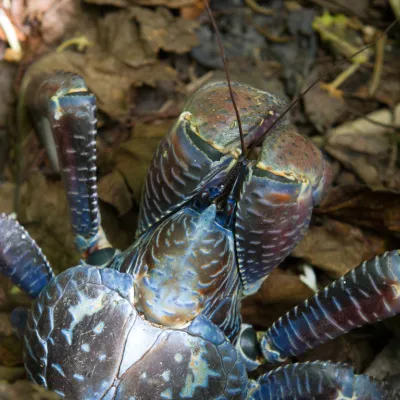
column 64, row 112
column 21, row 259
column 318, row 380
column 364, row 296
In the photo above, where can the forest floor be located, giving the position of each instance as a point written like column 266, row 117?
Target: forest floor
column 142, row 59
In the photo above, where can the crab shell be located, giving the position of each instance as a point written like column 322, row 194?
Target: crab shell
column 85, row 340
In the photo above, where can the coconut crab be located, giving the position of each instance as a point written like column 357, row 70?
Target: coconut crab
column 162, row 319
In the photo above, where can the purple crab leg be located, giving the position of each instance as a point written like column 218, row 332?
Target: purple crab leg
column 21, row 259
column 318, row 380
column 364, row 296
column 64, row 112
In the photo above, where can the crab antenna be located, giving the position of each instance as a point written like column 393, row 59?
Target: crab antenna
column 321, row 77
column 221, row 48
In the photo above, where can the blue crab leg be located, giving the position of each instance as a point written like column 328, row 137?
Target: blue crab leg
column 64, row 112
column 364, row 296
column 318, row 380
column 21, row 259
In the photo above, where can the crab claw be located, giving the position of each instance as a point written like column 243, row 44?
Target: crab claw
column 64, row 114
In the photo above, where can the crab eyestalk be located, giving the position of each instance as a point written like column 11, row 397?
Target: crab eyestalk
column 64, row 114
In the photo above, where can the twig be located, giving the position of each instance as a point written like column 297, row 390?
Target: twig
column 259, row 9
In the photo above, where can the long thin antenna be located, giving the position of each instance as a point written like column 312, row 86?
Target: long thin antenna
column 227, row 73
column 321, row 77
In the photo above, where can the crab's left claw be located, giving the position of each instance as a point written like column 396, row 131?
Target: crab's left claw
column 64, row 114
column 319, row 381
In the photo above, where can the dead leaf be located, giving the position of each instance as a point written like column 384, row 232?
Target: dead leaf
column 362, row 206
column 167, row 3
column 366, row 148
column 322, row 109
column 108, row 78
column 355, row 351
column 119, row 36
column 193, row 10
column 54, row 16
column 24, row 390
column 335, row 247
column 387, row 362
column 162, row 31
column 11, row 373
column 44, row 214
column 115, row 3
column 112, row 189
column 5, row 324
column 134, row 156
column 281, row 291
column 125, row 3
column 7, row 91
column 7, row 191
column 10, row 351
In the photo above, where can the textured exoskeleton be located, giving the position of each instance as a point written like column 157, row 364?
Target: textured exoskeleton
column 199, row 161
column 162, row 319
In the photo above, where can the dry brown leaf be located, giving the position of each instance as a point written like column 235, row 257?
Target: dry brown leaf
column 193, row 10
column 335, row 247
column 118, row 35
column 5, row 324
column 134, row 156
column 161, row 30
column 387, row 362
column 54, row 16
column 11, row 373
column 281, row 291
column 44, row 214
column 7, row 191
column 10, row 351
column 108, row 78
column 115, row 3
column 7, row 91
column 322, row 108
column 125, row 3
column 366, row 148
column 355, row 351
column 167, row 3
column 24, row 390
column 112, row 189
column 361, row 206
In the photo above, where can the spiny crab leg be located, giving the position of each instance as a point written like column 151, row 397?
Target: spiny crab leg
column 64, row 113
column 23, row 262
column 318, row 380
column 363, row 296
column 21, row 259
